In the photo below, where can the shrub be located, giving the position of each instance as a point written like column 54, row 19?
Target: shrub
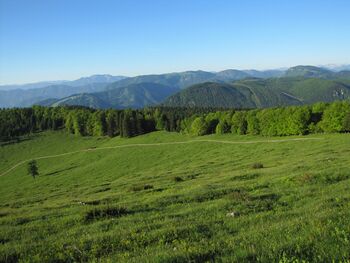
column 141, row 187
column 257, row 166
column 178, row 179
column 147, row 186
column 105, row 213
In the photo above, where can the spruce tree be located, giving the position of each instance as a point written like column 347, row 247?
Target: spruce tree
column 33, row 168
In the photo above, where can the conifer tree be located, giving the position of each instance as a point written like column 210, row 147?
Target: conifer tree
column 33, row 169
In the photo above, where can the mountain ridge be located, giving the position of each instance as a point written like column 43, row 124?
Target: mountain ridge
column 132, row 96
column 172, row 82
column 260, row 93
column 96, row 78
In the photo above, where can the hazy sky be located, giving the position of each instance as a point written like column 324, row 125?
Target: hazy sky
column 67, row 39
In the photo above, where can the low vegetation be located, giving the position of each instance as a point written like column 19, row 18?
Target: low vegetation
column 109, row 212
column 127, row 205
column 257, row 166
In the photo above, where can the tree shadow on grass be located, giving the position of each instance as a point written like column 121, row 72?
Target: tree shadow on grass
column 4, row 142
column 61, row 170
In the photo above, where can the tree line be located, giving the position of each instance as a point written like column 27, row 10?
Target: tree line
column 281, row 121
column 85, row 121
column 293, row 120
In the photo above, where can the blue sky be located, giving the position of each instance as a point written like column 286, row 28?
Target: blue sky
column 67, row 39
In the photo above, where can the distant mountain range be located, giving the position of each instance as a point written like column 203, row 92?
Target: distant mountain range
column 336, row 67
column 228, row 88
column 28, row 94
column 74, row 83
column 312, row 72
column 132, row 96
column 25, row 98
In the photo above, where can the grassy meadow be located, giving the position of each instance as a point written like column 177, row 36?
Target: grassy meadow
column 194, row 202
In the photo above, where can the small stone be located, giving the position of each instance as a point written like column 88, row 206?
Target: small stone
column 232, row 214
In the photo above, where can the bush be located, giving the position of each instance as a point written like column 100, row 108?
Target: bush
column 147, row 186
column 257, row 166
column 178, row 179
column 108, row 212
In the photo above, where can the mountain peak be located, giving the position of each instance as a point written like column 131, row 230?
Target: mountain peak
column 308, row 72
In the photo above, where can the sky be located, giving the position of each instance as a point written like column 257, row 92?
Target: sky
column 67, row 39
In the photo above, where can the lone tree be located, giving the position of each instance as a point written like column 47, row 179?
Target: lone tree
column 33, row 168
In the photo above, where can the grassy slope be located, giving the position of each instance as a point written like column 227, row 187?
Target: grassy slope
column 297, row 206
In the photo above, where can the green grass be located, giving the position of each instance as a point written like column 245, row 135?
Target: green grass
column 196, row 202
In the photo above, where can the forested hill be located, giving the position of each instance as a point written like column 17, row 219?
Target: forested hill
column 133, row 96
column 261, row 93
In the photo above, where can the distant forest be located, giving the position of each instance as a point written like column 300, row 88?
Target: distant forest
column 282, row 121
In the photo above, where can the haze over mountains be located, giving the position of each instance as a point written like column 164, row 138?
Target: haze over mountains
column 99, row 78
column 228, row 88
column 28, row 94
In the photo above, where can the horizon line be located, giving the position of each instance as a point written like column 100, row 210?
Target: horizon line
column 283, row 68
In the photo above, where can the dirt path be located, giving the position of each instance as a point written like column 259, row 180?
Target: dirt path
column 154, row 144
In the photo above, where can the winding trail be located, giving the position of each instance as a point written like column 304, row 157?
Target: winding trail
column 153, row 144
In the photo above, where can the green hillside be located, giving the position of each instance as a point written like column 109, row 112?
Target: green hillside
column 210, row 94
column 132, row 96
column 261, row 93
column 201, row 200
column 84, row 99
column 137, row 95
